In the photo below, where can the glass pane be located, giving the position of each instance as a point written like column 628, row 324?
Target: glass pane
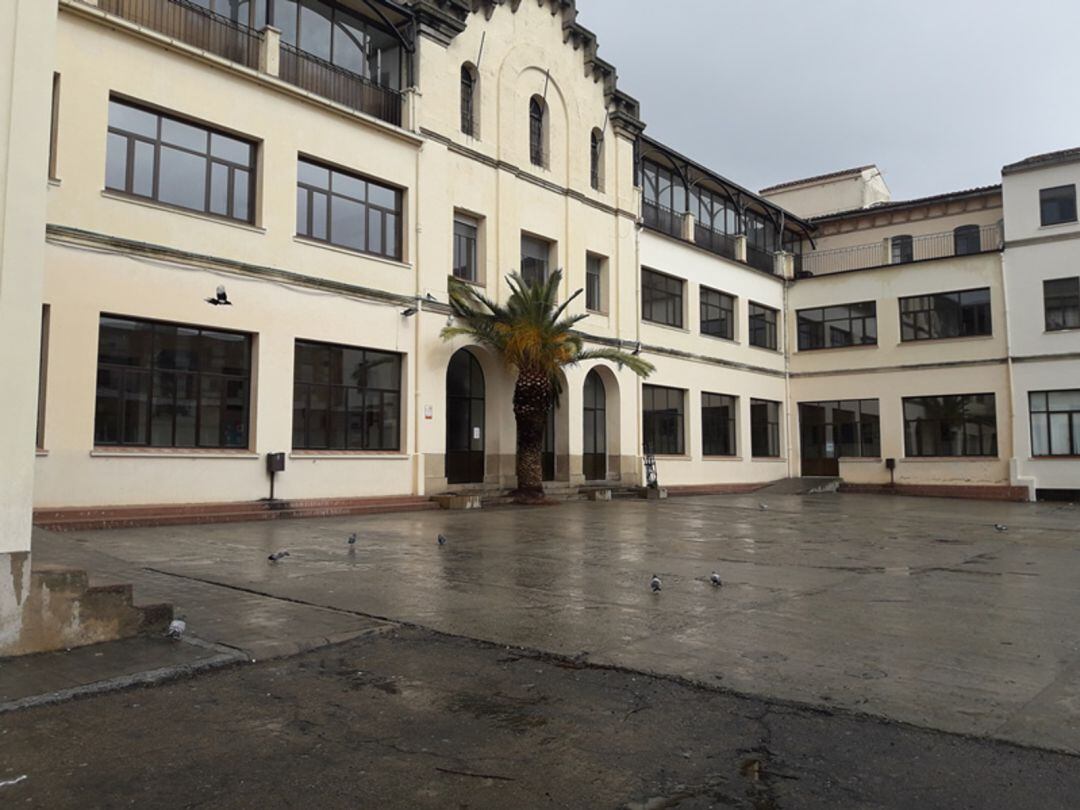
column 285, row 17
column 236, row 412
column 116, row 162
column 302, row 211
column 1064, row 400
column 315, row 28
column 136, row 396
column 1059, row 433
column 349, row 44
column 312, row 175
column 319, row 216
column 224, row 353
column 186, row 135
column 348, row 223
column 226, row 148
column 241, row 189
column 107, row 409
column 349, row 186
column 122, row 342
column 183, row 179
column 382, row 196
column 219, row 188
column 210, row 389
column 161, row 415
column 132, row 119
column 375, row 232
column 142, row 170
column 186, row 408
column 383, row 370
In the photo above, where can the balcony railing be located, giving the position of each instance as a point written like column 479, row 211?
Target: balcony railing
column 721, row 244
column 192, row 25
column 326, row 79
column 760, row 259
column 662, row 219
column 930, row 246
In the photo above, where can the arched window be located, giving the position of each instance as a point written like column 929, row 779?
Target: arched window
column 537, row 152
column 468, row 100
column 966, row 240
column 596, row 160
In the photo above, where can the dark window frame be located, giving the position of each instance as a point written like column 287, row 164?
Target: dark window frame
column 466, row 253
column 596, row 160
column 528, row 270
column 594, row 282
column 763, row 322
column 771, row 426
column 967, row 240
column 719, row 436
column 959, row 422
column 468, row 100
column 1067, row 312
column 311, row 192
column 667, row 423
column 151, row 374
column 920, row 315
column 866, row 433
column 329, row 388
column 662, row 289
column 902, row 249
column 537, row 132
column 809, row 338
column 716, row 307
column 1072, row 418
column 157, row 143
column 1052, row 198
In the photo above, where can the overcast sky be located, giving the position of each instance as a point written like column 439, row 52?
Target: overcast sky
column 940, row 95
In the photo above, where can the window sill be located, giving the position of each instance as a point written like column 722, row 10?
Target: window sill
column 837, row 348
column 330, row 455
column 955, row 339
column 767, row 458
column 859, row 459
column 721, row 458
column 54, row 181
column 763, row 348
column 1066, row 329
column 175, row 209
column 469, row 281
column 944, row 459
column 1054, row 225
column 166, row 452
column 730, row 340
column 41, row 452
column 669, row 327
column 359, row 254
column 671, row 456
column 1056, row 458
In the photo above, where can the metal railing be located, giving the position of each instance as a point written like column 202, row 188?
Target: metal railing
column 716, row 242
column 192, row 25
column 326, row 79
column 662, row 219
column 762, row 260
column 930, row 246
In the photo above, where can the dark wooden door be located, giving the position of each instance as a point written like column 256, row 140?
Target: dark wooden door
column 464, row 419
column 818, row 449
column 594, row 453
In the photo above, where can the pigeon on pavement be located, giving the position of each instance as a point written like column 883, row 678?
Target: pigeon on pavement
column 352, row 539
column 654, row 583
column 441, row 540
column 278, row 555
column 1001, row 527
column 764, row 507
column 177, row 627
column 714, row 578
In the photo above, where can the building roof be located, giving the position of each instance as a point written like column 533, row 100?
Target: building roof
column 977, row 191
column 1043, row 160
column 818, row 178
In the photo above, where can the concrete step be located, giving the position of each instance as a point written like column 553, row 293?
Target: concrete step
column 124, row 517
column 61, row 609
column 807, row 485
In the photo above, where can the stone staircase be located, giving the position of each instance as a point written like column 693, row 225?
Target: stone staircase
column 122, row 517
column 56, row 608
column 807, row 485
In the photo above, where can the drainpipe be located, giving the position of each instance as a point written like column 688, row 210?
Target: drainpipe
column 418, row 472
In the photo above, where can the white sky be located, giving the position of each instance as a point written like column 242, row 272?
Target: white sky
column 939, row 94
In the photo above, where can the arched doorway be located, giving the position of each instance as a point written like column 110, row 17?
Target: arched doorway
column 464, row 419
column 594, row 408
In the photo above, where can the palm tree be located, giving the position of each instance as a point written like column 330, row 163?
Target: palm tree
column 532, row 333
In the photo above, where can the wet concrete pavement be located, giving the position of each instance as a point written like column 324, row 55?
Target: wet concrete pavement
column 411, row 719
column 912, row 609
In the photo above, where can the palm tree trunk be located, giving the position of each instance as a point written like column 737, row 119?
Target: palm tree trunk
column 532, row 398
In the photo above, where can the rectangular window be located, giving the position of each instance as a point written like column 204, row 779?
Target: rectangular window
column 764, row 428
column 663, row 420
column 903, row 249
column 946, row 315
column 1055, row 423
column 953, row 425
column 762, row 322
column 661, row 298
column 718, row 424
column 848, row 428
column 535, row 259
column 1057, row 205
column 594, row 282
column 171, row 385
column 345, row 398
column 466, row 231
column 837, row 326
column 1061, row 299
column 54, row 127
column 43, row 375
column 717, row 314
column 347, row 210
column 179, row 163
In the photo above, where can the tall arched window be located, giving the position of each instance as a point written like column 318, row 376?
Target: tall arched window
column 596, row 160
column 468, row 100
column 537, row 152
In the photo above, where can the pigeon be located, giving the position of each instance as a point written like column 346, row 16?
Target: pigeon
column 441, row 539
column 352, row 539
column 220, row 299
column 714, row 578
column 764, row 507
column 654, row 583
column 1001, row 527
column 177, row 627
column 278, row 555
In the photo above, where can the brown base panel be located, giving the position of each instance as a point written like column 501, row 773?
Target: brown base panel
column 969, row 491
column 79, row 518
column 715, row 489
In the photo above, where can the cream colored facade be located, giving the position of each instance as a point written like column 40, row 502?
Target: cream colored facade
column 115, row 254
